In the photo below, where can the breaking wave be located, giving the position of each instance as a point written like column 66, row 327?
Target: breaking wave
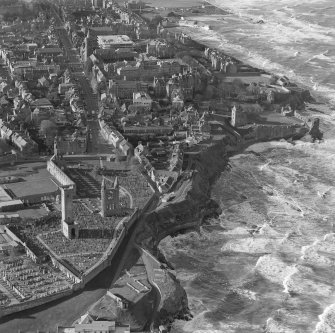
column 270, row 261
column 284, row 44
column 267, row 263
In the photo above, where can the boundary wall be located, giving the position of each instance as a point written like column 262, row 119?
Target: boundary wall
column 59, row 174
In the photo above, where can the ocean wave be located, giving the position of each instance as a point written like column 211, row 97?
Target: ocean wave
column 274, row 269
column 274, row 326
column 250, row 245
column 318, row 253
column 266, row 230
column 264, row 146
column 284, row 31
column 299, row 283
column 330, row 238
column 327, row 321
column 322, row 56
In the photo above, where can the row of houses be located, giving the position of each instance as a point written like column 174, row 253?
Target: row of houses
column 22, row 142
column 114, row 137
column 148, row 69
column 164, row 179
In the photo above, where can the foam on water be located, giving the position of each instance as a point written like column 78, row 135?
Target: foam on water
column 276, row 240
column 274, row 269
column 274, row 326
column 327, row 321
column 285, row 44
column 272, row 264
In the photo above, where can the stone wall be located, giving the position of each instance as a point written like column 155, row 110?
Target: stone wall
column 31, row 304
column 304, row 117
column 80, row 281
column 8, row 159
column 59, row 174
column 30, row 253
column 266, row 132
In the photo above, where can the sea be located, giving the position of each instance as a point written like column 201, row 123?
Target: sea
column 267, row 263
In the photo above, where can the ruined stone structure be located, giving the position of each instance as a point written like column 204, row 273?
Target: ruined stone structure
column 238, row 118
column 56, row 168
column 69, row 227
column 110, row 199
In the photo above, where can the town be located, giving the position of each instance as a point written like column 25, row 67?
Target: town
column 104, row 106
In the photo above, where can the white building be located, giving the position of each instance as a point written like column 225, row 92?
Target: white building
column 142, row 99
column 115, row 42
column 95, row 327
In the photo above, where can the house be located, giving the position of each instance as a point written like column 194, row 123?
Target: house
column 95, row 327
column 48, row 52
column 126, row 89
column 42, row 103
column 126, row 148
column 160, row 49
column 141, row 100
column 43, row 82
column 4, row 87
column 283, row 81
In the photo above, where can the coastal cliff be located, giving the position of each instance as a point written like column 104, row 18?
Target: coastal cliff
column 190, row 204
column 191, row 201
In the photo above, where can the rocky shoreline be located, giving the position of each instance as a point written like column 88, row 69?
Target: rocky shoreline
column 191, row 205
column 188, row 210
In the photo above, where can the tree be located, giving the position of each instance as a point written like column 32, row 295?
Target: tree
column 238, row 86
column 48, row 127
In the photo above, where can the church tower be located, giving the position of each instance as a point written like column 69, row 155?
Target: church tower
column 110, row 198
column 56, row 148
column 69, row 228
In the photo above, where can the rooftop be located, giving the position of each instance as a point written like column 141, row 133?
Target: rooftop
column 115, row 39
column 50, row 50
column 33, row 187
column 4, row 196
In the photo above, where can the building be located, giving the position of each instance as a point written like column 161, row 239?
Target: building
column 148, row 69
column 48, row 52
column 125, row 89
column 23, row 143
column 75, row 143
column 238, row 118
column 12, row 205
column 135, row 6
column 112, row 55
column 63, row 87
column 160, row 49
column 69, row 227
column 141, row 100
column 115, row 42
column 42, row 103
column 19, row 67
column 95, row 327
column 34, row 191
column 99, row 3
column 110, row 199
column 147, row 131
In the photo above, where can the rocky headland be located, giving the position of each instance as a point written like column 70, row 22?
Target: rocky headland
column 187, row 209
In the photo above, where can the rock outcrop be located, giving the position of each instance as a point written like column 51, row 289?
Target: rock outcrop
column 191, row 204
column 315, row 132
